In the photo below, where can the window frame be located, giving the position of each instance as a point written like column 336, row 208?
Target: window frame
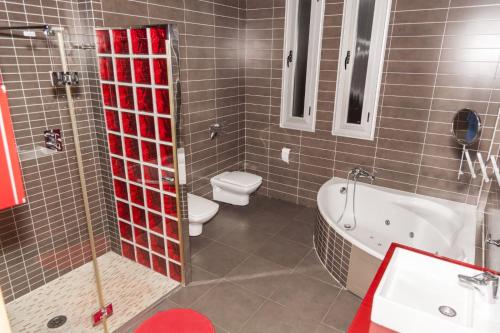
column 380, row 28
column 308, row 121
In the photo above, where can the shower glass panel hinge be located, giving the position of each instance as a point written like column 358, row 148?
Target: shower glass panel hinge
column 309, row 110
column 63, row 78
column 105, row 312
column 368, row 118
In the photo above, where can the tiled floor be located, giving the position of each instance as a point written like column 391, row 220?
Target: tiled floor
column 254, row 270
column 129, row 286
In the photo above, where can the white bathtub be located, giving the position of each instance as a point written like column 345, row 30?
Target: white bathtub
column 385, row 215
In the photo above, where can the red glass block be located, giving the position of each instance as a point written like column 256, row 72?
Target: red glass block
column 174, row 251
column 167, row 156
column 126, row 97
column 126, row 230
column 132, row 148
column 142, row 257
column 172, row 228
column 109, row 95
column 155, row 224
column 147, row 125
column 175, row 271
column 158, row 40
column 141, row 237
column 106, row 69
column 149, row 154
column 151, row 176
column 162, row 101
column 159, row 265
column 160, row 70
column 118, row 167
column 123, row 72
column 153, row 200
column 129, row 123
column 128, row 250
column 142, row 71
column 120, row 41
column 165, row 129
column 112, row 120
column 115, row 144
column 120, row 189
column 136, row 194
column 138, row 216
column 123, row 210
column 144, row 99
column 139, row 41
column 170, row 205
column 167, row 184
column 103, row 41
column 157, row 244
column 134, row 172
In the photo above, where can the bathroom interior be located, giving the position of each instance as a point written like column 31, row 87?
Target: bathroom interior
column 249, row 166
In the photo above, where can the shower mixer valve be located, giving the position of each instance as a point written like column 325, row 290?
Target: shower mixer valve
column 60, row 79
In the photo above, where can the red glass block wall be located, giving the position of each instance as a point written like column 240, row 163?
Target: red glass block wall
column 133, row 67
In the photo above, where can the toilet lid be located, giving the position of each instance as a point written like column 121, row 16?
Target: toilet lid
column 240, row 178
column 199, row 207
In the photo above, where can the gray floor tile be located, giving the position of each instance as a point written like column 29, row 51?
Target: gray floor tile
column 270, row 222
column 258, row 275
column 246, row 239
column 343, row 310
column 306, row 215
column 202, row 281
column 282, row 251
column 299, row 232
column 198, row 243
column 228, row 306
column 276, row 206
column 312, row 267
column 275, row 318
column 325, row 329
column 133, row 324
column 310, row 299
column 218, row 259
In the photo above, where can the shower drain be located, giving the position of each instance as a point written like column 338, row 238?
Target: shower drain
column 57, row 321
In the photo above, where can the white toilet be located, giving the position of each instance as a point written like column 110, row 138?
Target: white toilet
column 235, row 187
column 200, row 211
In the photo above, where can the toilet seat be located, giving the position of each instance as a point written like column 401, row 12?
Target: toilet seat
column 239, row 178
column 200, row 209
column 235, row 187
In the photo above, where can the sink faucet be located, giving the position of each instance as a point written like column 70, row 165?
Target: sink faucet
column 358, row 172
column 486, row 283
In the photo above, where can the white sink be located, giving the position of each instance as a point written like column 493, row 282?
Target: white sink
column 413, row 288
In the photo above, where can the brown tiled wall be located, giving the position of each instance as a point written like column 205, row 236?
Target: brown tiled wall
column 210, row 73
column 332, row 249
column 441, row 56
column 47, row 237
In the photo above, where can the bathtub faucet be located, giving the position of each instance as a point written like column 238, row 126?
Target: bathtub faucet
column 358, row 172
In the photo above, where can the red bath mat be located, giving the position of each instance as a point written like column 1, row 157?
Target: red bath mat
column 177, row 321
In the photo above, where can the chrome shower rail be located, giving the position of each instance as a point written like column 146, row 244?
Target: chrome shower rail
column 47, row 29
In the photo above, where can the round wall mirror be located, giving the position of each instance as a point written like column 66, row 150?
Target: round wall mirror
column 466, row 126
